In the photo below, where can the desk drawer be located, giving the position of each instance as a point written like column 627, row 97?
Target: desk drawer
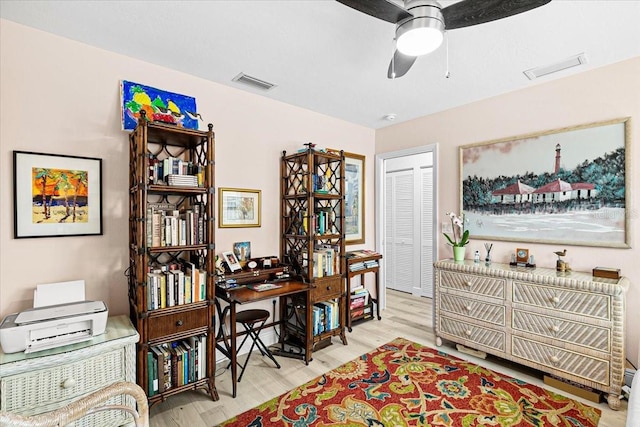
column 327, row 288
column 178, row 323
column 44, row 390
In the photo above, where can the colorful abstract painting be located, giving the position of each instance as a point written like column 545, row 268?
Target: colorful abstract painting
column 159, row 106
column 59, row 195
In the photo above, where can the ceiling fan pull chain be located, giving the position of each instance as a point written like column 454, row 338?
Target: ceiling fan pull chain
column 446, row 40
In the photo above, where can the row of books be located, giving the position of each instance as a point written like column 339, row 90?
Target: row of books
column 168, row 226
column 363, row 265
column 175, row 284
column 161, row 169
column 177, row 363
column 326, row 260
column 326, row 316
column 362, row 253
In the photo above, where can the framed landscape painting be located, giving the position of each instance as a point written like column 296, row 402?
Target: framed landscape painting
column 56, row 195
column 565, row 186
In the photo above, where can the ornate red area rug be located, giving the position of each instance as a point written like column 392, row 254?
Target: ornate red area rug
column 403, row 383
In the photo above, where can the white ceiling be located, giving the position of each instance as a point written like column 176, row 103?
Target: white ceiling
column 331, row 59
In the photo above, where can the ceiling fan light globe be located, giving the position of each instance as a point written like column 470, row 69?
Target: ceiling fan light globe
column 419, row 36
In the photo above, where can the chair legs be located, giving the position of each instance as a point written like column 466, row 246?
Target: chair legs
column 249, row 319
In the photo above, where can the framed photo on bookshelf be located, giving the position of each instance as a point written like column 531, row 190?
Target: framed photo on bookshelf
column 238, row 207
column 56, row 195
column 354, row 198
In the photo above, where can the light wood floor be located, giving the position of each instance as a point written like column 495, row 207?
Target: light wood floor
column 405, row 316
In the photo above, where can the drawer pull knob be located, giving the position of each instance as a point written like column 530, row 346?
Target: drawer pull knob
column 555, row 359
column 468, row 332
column 69, row 383
column 555, row 328
column 179, row 323
column 468, row 283
column 468, row 308
column 328, row 288
column 555, row 300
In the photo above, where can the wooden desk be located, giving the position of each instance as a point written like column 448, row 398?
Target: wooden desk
column 351, row 260
column 243, row 295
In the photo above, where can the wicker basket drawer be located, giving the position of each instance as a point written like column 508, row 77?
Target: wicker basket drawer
column 327, row 288
column 472, row 333
column 178, row 323
column 558, row 359
column 44, row 390
column 570, row 301
column 469, row 283
column 590, row 336
column 479, row 310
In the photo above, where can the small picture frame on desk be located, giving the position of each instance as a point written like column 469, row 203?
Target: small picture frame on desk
column 232, row 261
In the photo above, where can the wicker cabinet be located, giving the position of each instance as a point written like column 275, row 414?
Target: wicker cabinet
column 313, row 239
column 171, row 252
column 40, row 382
column 571, row 324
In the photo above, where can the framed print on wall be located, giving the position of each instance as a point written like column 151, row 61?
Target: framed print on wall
column 354, row 198
column 238, row 207
column 564, row 186
column 56, row 195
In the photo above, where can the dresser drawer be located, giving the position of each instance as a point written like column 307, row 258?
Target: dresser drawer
column 470, row 332
column 43, row 390
column 590, row 336
column 566, row 300
column 327, row 288
column 178, row 323
column 479, row 310
column 574, row 363
column 469, row 283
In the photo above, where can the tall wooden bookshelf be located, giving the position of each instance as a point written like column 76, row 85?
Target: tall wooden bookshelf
column 171, row 251
column 313, row 243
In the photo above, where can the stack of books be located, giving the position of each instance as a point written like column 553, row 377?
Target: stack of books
column 182, row 180
column 359, row 303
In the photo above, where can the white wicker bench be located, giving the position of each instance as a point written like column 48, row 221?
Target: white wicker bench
column 86, row 405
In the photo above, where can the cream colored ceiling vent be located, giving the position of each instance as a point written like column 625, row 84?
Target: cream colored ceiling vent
column 574, row 61
column 253, row 81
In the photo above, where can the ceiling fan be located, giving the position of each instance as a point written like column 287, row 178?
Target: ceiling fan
column 420, row 25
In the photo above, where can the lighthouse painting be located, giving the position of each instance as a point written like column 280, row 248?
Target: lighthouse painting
column 566, row 186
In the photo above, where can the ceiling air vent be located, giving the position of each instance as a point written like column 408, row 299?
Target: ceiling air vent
column 574, row 61
column 253, row 81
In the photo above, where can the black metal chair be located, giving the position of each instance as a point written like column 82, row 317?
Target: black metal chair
column 253, row 321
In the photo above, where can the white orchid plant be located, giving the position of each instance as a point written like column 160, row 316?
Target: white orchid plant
column 460, row 235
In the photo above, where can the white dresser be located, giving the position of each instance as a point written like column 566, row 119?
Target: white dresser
column 40, row 382
column 568, row 324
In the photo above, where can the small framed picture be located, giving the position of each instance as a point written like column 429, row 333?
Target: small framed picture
column 522, row 255
column 232, row 261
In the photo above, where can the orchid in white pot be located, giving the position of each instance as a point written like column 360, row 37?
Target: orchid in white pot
column 460, row 236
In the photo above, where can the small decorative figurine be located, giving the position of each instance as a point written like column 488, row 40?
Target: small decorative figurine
column 560, row 264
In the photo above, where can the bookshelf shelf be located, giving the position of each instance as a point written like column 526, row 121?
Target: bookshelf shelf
column 171, row 242
column 313, row 243
column 359, row 263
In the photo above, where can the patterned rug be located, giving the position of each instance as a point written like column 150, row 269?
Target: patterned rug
column 403, row 383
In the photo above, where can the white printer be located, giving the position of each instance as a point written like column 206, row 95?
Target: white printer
column 52, row 326
column 61, row 316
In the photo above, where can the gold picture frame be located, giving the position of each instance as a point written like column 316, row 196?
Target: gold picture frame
column 239, row 207
column 354, row 198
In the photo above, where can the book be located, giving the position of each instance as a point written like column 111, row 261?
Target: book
column 260, row 287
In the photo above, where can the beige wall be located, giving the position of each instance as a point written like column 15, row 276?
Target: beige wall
column 60, row 96
column 601, row 94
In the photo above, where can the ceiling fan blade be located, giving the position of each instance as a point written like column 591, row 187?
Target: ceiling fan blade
column 400, row 64
column 474, row 12
column 381, row 9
